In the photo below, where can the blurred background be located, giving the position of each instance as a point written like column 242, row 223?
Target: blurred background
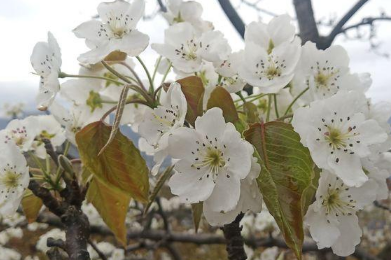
column 366, row 36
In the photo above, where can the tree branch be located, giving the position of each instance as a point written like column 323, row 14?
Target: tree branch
column 338, row 27
column 234, row 239
column 163, row 8
column 233, row 16
column 365, row 21
column 306, row 19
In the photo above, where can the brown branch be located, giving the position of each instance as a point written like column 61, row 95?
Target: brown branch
column 365, row 21
column 258, row 9
column 234, row 239
column 306, row 19
column 341, row 23
column 233, row 16
column 47, row 198
column 100, row 253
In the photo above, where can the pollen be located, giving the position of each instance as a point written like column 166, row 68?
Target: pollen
column 10, row 180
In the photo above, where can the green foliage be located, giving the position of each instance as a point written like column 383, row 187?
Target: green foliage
column 221, row 98
column 286, row 179
column 31, row 206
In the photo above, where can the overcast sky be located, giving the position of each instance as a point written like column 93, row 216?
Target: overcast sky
column 25, row 22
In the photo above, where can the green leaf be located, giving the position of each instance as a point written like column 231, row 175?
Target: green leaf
column 196, row 209
column 162, row 179
column 285, row 179
column 193, row 89
column 120, row 164
column 31, row 206
column 251, row 112
column 221, row 98
column 112, row 205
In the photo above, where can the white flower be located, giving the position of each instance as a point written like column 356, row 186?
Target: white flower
column 186, row 49
column 269, row 253
column 378, row 170
column 47, row 128
column 228, row 70
column 332, row 217
column 277, row 32
column 158, row 124
column 213, row 159
column 9, row 254
column 21, row 132
column 250, row 200
column 46, row 61
column 116, row 32
column 326, row 72
column 74, row 119
column 270, row 72
column 190, row 11
column 14, row 178
column 338, row 134
column 270, row 55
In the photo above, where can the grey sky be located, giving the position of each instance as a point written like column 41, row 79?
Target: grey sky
column 24, row 22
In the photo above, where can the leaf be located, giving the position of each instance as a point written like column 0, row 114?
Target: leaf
column 196, row 209
column 193, row 89
column 221, row 98
column 251, row 112
column 112, row 205
column 120, row 110
column 287, row 171
column 120, row 164
column 31, row 206
column 162, row 179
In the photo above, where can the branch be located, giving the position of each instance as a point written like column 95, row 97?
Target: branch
column 234, row 239
column 163, row 8
column 233, row 16
column 338, row 27
column 365, row 21
column 306, row 19
column 258, row 9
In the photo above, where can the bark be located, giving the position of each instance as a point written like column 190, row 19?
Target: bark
column 234, row 239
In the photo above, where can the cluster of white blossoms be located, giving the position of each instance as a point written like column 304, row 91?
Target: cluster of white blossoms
column 348, row 137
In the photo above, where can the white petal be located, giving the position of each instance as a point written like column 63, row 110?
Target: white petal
column 226, row 193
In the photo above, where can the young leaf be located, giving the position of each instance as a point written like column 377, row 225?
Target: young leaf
column 287, row 172
column 31, row 206
column 222, row 98
column 193, row 89
column 112, row 205
column 120, row 164
column 196, row 209
column 162, row 179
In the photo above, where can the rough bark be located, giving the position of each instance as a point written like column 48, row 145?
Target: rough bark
column 234, row 239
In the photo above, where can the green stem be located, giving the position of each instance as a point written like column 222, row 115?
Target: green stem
column 65, row 75
column 269, row 105
column 156, row 68
column 166, row 73
column 275, row 105
column 241, row 96
column 294, row 101
column 151, row 87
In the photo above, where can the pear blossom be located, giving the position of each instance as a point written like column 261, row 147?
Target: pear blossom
column 378, row 169
column 250, row 200
column 189, row 11
column 271, row 54
column 46, row 61
column 332, row 218
column 115, row 32
column 325, row 72
column 159, row 123
column 228, row 70
column 186, row 49
column 278, row 31
column 21, row 132
column 213, row 159
column 73, row 119
column 14, row 178
column 47, row 128
column 338, row 134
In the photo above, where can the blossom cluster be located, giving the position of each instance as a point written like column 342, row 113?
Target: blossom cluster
column 347, row 135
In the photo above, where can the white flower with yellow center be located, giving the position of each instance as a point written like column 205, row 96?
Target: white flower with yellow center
column 186, row 49
column 325, row 72
column 338, row 134
column 20, row 132
column 332, row 217
column 46, row 61
column 158, row 123
column 271, row 54
column 250, row 200
column 115, row 32
column 213, row 159
column 14, row 178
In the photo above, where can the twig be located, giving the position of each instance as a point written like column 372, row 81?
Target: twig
column 234, row 239
column 233, row 16
column 100, row 254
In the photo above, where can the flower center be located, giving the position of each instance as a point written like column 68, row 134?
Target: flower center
column 188, row 51
column 94, row 101
column 10, row 180
column 213, row 159
column 322, row 79
column 338, row 201
column 336, row 138
column 272, row 72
